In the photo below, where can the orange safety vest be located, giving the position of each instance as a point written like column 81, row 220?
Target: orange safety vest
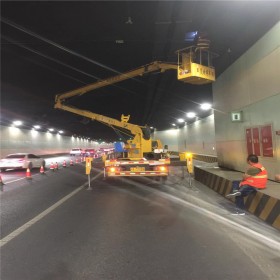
column 257, row 181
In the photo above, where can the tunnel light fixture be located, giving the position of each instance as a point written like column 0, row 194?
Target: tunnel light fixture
column 51, row 129
column 191, row 115
column 36, row 126
column 181, row 120
column 205, row 106
column 60, row 131
column 17, row 123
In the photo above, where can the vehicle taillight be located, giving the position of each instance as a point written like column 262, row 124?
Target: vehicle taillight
column 113, row 169
column 162, row 168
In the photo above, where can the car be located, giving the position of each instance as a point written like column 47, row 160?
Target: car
column 76, row 152
column 89, row 152
column 21, row 161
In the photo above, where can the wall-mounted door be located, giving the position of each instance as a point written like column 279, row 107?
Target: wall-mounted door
column 266, row 138
column 256, row 141
column 249, row 141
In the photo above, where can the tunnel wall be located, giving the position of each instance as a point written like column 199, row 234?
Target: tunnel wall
column 16, row 140
column 251, row 86
column 198, row 137
column 167, row 137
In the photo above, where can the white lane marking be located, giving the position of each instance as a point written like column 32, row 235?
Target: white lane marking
column 261, row 237
column 33, row 175
column 24, row 178
column 21, row 229
column 6, row 183
column 274, row 244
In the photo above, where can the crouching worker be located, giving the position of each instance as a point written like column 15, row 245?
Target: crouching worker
column 255, row 178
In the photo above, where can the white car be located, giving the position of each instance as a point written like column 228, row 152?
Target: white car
column 21, row 161
column 76, row 152
column 89, row 152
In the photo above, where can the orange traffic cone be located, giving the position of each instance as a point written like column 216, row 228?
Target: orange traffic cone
column 71, row 162
column 1, row 184
column 28, row 174
column 64, row 163
column 52, row 167
column 77, row 161
column 42, row 171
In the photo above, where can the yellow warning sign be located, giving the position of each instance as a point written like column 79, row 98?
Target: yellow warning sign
column 104, row 157
column 88, row 164
column 189, row 161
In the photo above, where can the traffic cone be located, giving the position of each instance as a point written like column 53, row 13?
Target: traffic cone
column 28, row 174
column 52, row 167
column 64, row 163
column 1, row 184
column 56, row 166
column 77, row 160
column 71, row 162
column 42, row 171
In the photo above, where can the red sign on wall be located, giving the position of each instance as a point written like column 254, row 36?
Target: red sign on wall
column 249, row 141
column 266, row 136
column 256, row 141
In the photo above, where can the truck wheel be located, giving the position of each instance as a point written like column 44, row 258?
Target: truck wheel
column 163, row 179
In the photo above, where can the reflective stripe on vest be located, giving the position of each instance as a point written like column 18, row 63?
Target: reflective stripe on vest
column 257, row 181
column 260, row 176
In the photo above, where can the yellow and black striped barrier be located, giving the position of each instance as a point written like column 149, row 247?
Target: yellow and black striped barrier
column 262, row 205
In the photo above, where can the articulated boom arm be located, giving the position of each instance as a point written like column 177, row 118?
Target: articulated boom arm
column 134, row 129
column 190, row 69
column 152, row 67
column 140, row 144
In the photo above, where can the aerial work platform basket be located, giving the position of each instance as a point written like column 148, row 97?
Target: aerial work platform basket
column 195, row 65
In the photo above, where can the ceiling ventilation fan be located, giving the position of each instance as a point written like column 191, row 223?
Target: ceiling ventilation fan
column 129, row 21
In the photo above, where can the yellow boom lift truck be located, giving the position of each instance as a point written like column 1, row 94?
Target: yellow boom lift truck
column 145, row 157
